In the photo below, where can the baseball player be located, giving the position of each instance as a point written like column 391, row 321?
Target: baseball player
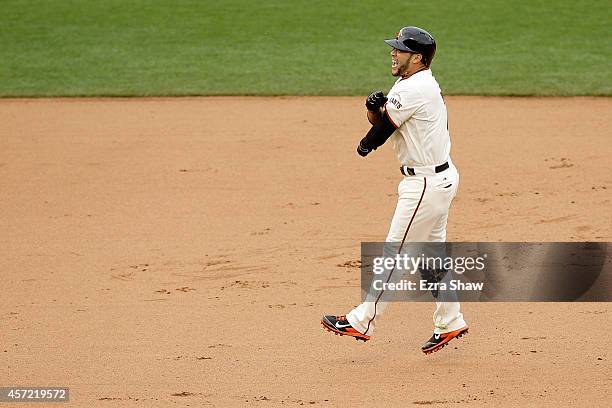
column 413, row 118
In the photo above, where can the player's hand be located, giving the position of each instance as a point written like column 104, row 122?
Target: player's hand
column 362, row 151
column 375, row 100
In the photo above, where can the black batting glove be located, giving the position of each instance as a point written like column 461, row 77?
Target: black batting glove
column 375, row 100
column 362, row 151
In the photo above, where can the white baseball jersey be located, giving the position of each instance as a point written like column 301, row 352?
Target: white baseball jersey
column 416, row 107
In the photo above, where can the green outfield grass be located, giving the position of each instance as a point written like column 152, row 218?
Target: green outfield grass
column 154, row 47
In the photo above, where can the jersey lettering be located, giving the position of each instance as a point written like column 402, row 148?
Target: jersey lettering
column 395, row 103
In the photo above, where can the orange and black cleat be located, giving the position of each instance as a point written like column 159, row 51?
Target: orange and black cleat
column 438, row 341
column 340, row 326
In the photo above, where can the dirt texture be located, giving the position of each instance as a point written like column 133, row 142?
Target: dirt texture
column 180, row 252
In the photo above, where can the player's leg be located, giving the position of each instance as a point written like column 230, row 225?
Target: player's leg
column 447, row 319
column 413, row 219
column 447, row 316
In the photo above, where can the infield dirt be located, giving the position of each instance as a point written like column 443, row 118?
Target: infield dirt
column 180, row 252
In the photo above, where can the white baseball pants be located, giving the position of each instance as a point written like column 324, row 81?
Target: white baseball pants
column 421, row 214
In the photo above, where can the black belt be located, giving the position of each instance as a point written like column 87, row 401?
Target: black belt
column 410, row 171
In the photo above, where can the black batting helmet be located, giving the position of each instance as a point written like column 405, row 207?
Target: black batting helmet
column 416, row 40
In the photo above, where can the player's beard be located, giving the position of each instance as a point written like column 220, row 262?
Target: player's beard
column 401, row 69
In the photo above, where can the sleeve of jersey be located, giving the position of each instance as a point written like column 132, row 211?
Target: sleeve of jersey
column 401, row 106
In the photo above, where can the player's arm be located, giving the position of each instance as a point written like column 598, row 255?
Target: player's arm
column 375, row 117
column 376, row 136
column 374, row 103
